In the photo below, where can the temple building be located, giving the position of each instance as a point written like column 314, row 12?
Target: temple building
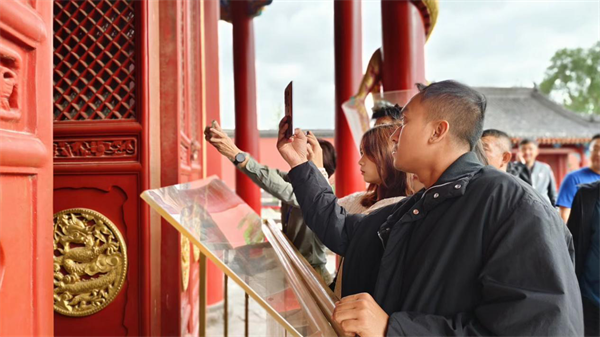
column 101, row 100
column 563, row 135
column 104, row 99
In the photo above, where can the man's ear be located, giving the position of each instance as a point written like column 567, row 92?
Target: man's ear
column 506, row 157
column 440, row 131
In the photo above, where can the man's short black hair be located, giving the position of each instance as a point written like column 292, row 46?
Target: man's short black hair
column 392, row 111
column 501, row 135
column 462, row 106
column 596, row 136
column 494, row 133
column 329, row 156
column 526, row 141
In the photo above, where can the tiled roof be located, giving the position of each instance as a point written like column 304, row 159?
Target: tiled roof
column 526, row 113
column 522, row 113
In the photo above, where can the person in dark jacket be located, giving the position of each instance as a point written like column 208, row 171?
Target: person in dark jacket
column 497, row 146
column 518, row 169
column 584, row 223
column 476, row 252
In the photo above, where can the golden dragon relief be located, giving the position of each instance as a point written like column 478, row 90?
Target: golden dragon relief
column 90, row 262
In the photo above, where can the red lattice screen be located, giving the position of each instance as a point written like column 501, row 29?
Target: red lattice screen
column 94, row 60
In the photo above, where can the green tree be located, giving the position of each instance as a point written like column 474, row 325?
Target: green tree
column 574, row 75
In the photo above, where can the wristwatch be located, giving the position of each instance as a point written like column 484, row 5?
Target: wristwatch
column 239, row 158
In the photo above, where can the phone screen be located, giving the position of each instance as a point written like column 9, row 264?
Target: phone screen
column 288, row 109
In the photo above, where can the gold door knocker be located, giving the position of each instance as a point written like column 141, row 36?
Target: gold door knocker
column 90, row 262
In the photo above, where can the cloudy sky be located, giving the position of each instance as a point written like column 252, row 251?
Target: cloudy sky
column 479, row 42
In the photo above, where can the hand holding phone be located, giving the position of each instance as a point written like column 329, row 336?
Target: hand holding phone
column 288, row 109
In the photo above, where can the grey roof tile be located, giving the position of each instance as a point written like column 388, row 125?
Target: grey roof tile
column 524, row 112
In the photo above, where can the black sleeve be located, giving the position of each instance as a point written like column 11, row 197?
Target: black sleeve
column 416, row 324
column 552, row 188
column 581, row 231
column 524, row 173
column 574, row 224
column 528, row 284
column 320, row 209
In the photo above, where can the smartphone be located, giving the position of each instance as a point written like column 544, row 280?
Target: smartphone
column 288, row 109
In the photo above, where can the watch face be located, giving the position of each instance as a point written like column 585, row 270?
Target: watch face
column 240, row 157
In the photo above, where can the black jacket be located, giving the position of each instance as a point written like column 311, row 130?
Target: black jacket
column 520, row 170
column 479, row 253
column 586, row 202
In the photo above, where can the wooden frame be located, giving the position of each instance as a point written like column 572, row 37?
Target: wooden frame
column 139, row 169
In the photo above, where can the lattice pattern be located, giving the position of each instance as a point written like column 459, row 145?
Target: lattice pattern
column 94, row 60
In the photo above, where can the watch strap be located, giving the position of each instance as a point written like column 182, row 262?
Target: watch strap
column 235, row 159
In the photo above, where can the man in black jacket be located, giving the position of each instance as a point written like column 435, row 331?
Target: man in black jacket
column 476, row 252
column 584, row 223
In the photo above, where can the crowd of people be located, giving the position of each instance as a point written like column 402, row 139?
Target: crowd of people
column 451, row 237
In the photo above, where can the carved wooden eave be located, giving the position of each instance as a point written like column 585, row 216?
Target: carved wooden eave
column 429, row 10
column 255, row 8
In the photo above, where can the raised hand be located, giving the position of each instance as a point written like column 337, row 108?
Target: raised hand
column 315, row 152
column 219, row 139
column 294, row 150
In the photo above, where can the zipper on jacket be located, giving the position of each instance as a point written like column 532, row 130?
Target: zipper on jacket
column 436, row 186
column 381, row 238
column 387, row 229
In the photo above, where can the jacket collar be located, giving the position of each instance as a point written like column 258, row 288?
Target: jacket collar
column 466, row 165
column 451, row 184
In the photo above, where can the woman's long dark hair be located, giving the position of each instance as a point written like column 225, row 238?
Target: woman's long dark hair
column 377, row 146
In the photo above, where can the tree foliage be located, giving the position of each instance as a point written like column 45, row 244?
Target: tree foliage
column 574, row 76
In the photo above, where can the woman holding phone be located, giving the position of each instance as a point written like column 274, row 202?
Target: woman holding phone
column 387, row 185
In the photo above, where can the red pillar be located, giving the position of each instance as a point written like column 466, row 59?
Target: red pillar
column 403, row 47
column 246, row 131
column 211, row 52
column 214, row 277
column 348, row 74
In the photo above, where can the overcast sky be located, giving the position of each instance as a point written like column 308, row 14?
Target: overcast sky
column 478, row 42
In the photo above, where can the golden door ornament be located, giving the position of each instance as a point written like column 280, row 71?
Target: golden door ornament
column 90, row 262
column 185, row 262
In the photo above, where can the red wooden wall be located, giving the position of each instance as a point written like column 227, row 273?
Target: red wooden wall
column 130, row 85
column 25, row 168
column 188, row 102
column 214, row 276
column 101, row 145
